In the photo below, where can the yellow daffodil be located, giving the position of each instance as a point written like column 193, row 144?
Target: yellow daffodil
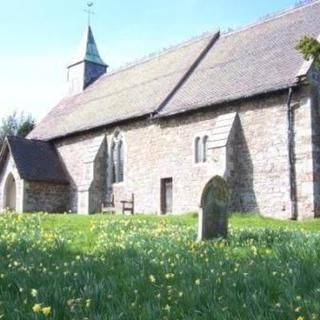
column 34, row 292
column 36, row 308
column 46, row 311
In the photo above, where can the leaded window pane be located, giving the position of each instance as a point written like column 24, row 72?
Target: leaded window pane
column 197, row 150
column 114, row 163
column 120, row 162
column 204, row 148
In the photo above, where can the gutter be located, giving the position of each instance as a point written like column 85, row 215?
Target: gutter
column 291, row 157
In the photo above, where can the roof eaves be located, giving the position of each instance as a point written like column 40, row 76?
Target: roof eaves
column 3, row 148
column 26, row 176
column 169, row 114
column 100, row 127
column 188, row 109
column 48, row 181
column 8, row 138
column 3, row 152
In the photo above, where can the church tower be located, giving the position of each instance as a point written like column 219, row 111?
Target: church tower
column 87, row 66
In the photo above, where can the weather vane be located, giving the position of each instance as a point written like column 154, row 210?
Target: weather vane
column 89, row 11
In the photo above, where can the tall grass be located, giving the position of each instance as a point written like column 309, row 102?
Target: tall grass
column 152, row 268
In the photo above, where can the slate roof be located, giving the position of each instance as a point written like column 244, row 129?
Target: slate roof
column 257, row 59
column 131, row 92
column 35, row 160
column 88, row 50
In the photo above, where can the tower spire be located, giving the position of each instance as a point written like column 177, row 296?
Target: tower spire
column 87, row 66
column 88, row 50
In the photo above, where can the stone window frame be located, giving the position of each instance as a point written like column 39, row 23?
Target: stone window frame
column 10, row 168
column 204, row 145
column 4, row 188
column 200, row 156
column 197, row 150
column 117, row 170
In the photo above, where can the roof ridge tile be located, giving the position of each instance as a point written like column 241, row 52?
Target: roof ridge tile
column 271, row 17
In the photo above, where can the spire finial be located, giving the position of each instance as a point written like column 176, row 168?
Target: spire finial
column 89, row 11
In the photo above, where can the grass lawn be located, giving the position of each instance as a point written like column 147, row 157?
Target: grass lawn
column 147, row 267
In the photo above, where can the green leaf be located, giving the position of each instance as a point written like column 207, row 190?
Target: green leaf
column 310, row 48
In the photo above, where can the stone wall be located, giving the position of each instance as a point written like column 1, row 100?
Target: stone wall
column 47, row 197
column 307, row 130
column 260, row 159
column 262, row 153
column 303, row 158
column 164, row 148
column 315, row 116
column 33, row 196
column 85, row 160
column 98, row 187
column 254, row 161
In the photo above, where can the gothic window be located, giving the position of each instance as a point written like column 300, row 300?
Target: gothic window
column 120, row 157
column 114, row 163
column 197, row 150
column 204, row 148
column 117, row 158
column 201, row 148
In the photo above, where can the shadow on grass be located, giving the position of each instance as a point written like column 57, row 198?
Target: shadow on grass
column 245, row 277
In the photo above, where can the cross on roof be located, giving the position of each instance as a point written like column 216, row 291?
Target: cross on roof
column 89, row 11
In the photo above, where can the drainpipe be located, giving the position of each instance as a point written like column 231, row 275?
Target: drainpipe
column 291, row 158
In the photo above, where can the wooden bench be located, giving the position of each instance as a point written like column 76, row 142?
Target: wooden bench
column 108, row 206
column 128, row 205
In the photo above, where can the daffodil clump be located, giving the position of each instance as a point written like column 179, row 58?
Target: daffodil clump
column 144, row 267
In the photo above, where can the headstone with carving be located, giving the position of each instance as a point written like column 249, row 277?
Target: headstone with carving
column 213, row 214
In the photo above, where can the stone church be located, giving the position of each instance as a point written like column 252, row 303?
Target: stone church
column 243, row 105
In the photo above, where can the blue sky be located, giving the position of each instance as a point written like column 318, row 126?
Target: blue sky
column 40, row 37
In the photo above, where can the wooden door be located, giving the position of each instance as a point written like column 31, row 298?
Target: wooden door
column 166, row 195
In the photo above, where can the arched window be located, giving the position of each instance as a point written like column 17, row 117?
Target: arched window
column 117, row 158
column 120, row 161
column 197, row 150
column 10, row 193
column 114, row 164
column 204, row 148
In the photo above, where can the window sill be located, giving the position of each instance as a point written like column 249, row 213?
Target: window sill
column 200, row 163
column 118, row 183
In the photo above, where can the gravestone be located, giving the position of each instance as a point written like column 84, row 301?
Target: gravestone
column 213, row 214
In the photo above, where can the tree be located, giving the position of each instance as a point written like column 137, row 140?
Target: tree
column 16, row 124
column 310, row 48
